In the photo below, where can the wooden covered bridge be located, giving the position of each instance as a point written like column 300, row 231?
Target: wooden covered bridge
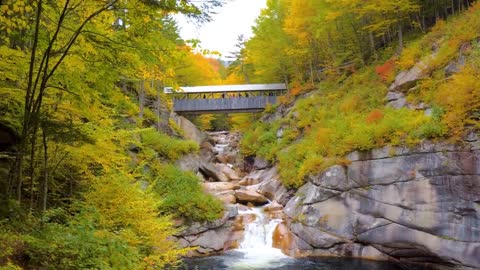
column 225, row 98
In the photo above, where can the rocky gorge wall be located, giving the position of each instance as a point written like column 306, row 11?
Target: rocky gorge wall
column 419, row 205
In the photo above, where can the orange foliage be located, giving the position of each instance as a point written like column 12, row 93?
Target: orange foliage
column 386, row 70
column 374, row 116
column 300, row 89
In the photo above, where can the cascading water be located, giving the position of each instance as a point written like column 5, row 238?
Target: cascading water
column 256, row 247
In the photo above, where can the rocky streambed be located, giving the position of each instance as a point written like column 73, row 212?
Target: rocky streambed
column 417, row 206
column 241, row 184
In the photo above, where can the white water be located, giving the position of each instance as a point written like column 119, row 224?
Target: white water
column 257, row 244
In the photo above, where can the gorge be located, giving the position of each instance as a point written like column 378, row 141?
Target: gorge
column 414, row 206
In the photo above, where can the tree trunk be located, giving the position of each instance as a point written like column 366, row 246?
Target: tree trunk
column 372, row 45
column 44, row 195
column 32, row 166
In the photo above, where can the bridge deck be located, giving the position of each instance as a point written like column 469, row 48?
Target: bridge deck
column 225, row 99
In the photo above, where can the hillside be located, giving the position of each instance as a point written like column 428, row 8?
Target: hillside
column 430, row 91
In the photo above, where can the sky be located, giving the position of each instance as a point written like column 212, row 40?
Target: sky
column 235, row 18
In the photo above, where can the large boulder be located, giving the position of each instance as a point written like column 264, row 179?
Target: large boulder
column 216, row 187
column 248, row 196
column 407, row 79
column 414, row 205
column 227, row 171
column 209, row 170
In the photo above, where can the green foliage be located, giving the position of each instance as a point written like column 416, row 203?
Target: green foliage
column 77, row 246
column 166, row 146
column 182, row 195
column 80, row 119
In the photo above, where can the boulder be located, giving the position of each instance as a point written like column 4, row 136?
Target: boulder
column 455, row 65
column 274, row 206
column 260, row 163
column 247, row 196
column 392, row 96
column 210, row 170
column 216, row 187
column 227, row 197
column 222, row 158
column 247, row 181
column 189, row 162
column 398, row 104
column 407, row 79
column 227, row 171
column 210, row 241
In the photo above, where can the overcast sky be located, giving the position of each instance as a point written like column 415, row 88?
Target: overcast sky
column 236, row 17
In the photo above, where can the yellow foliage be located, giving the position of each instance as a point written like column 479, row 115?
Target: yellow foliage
column 460, row 96
column 121, row 206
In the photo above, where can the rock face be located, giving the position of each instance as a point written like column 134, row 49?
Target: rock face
column 191, row 131
column 212, row 237
column 418, row 205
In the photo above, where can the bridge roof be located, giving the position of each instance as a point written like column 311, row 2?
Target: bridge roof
column 227, row 88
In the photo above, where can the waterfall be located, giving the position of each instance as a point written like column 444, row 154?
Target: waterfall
column 257, row 247
column 259, row 233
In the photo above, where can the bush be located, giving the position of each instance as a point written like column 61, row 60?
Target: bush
column 182, row 195
column 166, row 146
column 78, row 246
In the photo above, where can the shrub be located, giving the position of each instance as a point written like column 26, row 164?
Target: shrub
column 166, row 146
column 78, row 246
column 182, row 195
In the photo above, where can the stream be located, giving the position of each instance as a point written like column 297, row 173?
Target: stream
column 256, row 252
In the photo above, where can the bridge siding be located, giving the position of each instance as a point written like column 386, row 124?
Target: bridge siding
column 223, row 104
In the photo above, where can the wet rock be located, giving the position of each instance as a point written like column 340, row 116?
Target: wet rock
column 274, row 206
column 247, row 196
